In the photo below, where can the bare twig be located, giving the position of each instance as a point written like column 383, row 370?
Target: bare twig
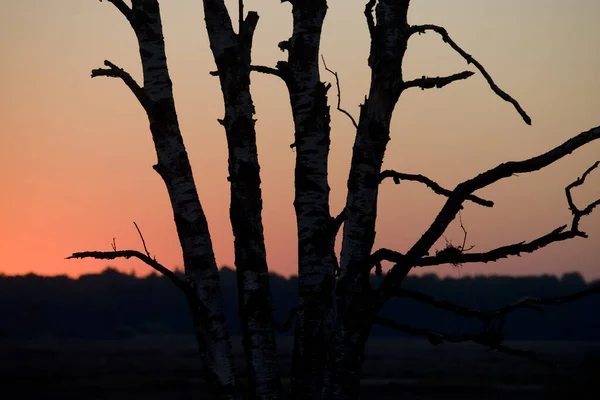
column 114, row 71
column 399, row 176
column 577, row 213
column 487, row 339
column 339, row 94
column 470, row 60
column 437, row 82
column 143, row 241
column 114, row 245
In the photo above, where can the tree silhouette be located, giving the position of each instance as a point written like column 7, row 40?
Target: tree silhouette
column 337, row 304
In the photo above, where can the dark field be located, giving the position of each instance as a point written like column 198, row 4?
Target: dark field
column 152, row 368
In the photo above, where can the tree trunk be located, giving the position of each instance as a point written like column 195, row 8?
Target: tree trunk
column 174, row 167
column 232, row 53
column 389, row 36
column 316, row 238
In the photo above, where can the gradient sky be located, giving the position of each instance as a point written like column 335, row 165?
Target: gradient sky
column 76, row 153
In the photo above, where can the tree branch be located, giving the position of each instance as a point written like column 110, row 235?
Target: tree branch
column 399, row 176
column 470, row 60
column 437, row 82
column 516, row 249
column 339, row 94
column 532, row 303
column 484, row 339
column 577, row 213
column 123, row 8
column 489, row 337
column 114, row 71
column 414, row 256
column 143, row 241
column 111, row 255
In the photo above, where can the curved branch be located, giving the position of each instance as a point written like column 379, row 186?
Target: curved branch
column 437, row 82
column 339, row 94
column 470, row 60
column 113, row 71
column 399, row 176
column 123, row 8
column 577, row 213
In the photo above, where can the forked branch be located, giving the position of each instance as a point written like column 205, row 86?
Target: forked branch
column 415, row 256
column 113, row 71
column 516, row 249
column 470, row 60
column 577, row 213
column 532, row 303
column 399, row 176
column 492, row 336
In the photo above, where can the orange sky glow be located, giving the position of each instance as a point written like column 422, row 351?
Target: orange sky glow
column 76, row 152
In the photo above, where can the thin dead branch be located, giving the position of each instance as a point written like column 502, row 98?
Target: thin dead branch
column 470, row 60
column 516, row 249
column 339, row 94
column 577, row 213
column 557, row 235
column 113, row 71
column 415, row 256
column 438, row 82
column 531, row 303
column 399, row 176
column 143, row 241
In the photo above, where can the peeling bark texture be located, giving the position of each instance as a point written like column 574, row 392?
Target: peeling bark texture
column 232, row 54
column 389, row 36
column 316, row 236
column 192, row 228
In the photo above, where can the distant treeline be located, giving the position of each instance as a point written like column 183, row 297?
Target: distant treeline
column 117, row 305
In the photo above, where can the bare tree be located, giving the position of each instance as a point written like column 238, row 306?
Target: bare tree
column 337, row 306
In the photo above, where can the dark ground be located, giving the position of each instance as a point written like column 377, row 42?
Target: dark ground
column 152, row 368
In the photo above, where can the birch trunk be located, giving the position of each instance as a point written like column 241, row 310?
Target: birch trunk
column 192, row 228
column 389, row 36
column 316, row 239
column 232, row 53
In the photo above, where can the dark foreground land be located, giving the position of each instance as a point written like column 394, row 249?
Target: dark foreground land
column 161, row 367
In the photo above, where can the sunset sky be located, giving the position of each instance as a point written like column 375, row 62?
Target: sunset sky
column 76, row 152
